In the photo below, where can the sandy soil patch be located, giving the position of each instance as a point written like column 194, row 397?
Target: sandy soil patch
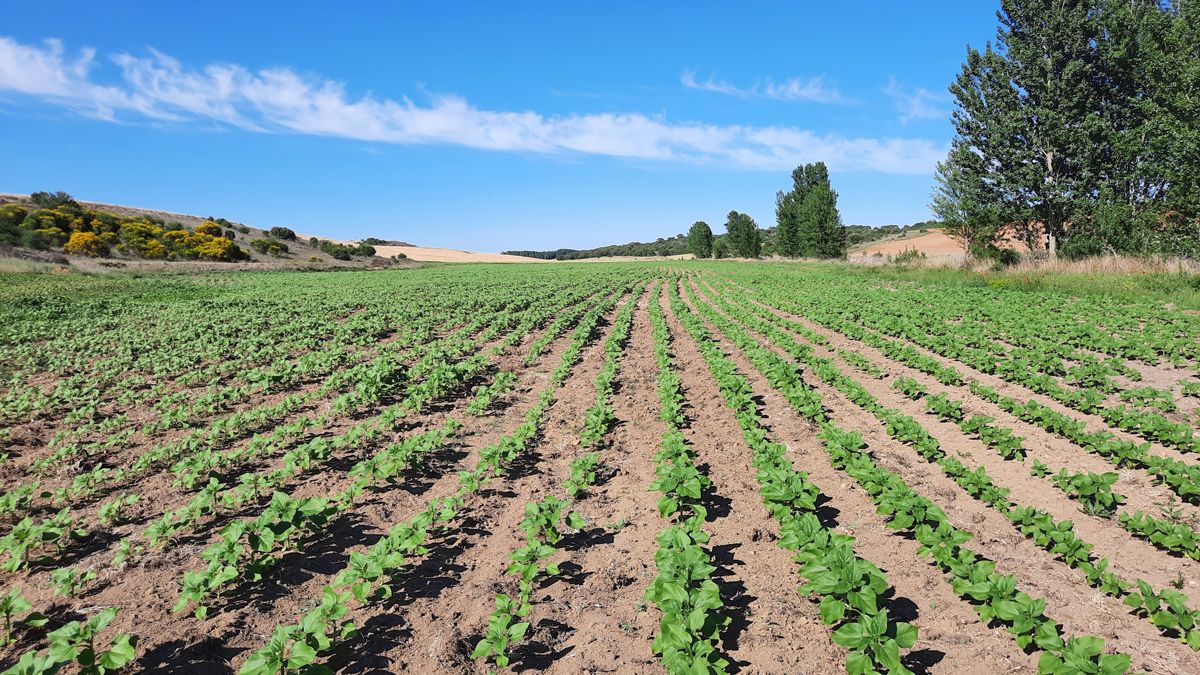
column 431, row 254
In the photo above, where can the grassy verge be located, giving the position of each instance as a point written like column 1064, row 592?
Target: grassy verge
column 1136, row 280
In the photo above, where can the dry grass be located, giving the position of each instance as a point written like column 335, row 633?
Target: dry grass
column 19, row 266
column 1113, row 264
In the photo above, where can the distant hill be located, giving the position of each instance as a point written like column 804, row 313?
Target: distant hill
column 115, row 226
column 43, row 227
column 856, row 236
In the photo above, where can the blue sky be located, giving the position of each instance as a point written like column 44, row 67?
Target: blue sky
column 481, row 127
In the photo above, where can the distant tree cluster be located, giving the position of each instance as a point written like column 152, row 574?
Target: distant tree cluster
column 341, row 251
column 58, row 221
column 1079, row 130
column 283, row 233
column 857, row 235
column 676, row 245
column 270, row 246
column 809, row 225
column 53, row 200
column 375, row 241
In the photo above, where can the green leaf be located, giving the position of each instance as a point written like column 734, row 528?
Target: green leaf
column 906, row 635
column 832, row 610
column 575, row 521
column 482, row 648
column 851, row 635
column 1114, row 664
column 301, row 655
column 122, row 651
column 858, row 663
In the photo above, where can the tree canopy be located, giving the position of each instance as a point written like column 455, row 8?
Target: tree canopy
column 700, row 239
column 743, row 236
column 1080, row 128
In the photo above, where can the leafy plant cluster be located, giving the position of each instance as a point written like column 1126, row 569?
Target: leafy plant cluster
column 599, row 418
column 1092, row 490
column 862, row 364
column 486, row 396
column 693, row 612
column 1178, row 538
column 33, row 541
column 76, row 643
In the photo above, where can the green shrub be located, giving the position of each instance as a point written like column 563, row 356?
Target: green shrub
column 284, row 233
column 11, row 217
column 269, row 247
column 53, row 200
column 1004, row 257
column 909, row 256
column 35, row 239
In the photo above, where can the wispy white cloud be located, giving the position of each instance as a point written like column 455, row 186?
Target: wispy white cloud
column 813, row 89
column 917, row 103
column 156, row 86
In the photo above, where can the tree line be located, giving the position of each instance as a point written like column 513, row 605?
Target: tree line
column 1078, row 131
column 807, row 224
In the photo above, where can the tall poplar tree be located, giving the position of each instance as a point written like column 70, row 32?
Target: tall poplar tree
column 807, row 219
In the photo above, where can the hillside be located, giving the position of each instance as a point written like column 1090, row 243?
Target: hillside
column 301, row 251
column 934, row 244
column 132, row 237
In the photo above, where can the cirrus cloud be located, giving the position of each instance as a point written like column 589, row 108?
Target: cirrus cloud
column 812, row 89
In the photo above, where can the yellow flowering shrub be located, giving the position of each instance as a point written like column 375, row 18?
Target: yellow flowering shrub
column 86, row 243
column 210, row 228
column 219, row 248
column 154, row 249
column 82, row 231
